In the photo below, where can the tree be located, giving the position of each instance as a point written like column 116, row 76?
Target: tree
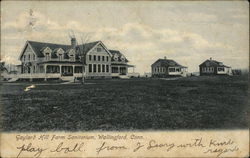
column 81, row 50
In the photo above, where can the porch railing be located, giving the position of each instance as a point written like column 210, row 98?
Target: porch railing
column 38, row 75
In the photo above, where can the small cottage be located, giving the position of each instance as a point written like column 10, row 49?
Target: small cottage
column 167, row 68
column 213, row 67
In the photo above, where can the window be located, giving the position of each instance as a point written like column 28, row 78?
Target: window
column 47, row 57
column 90, row 67
column 221, row 69
column 24, row 56
column 171, row 69
column 114, row 70
column 107, row 68
column 94, row 57
column 60, row 57
column 34, row 57
column 71, row 57
column 178, row 70
column 29, row 57
column 99, row 58
column 155, row 69
column 99, row 68
column 90, row 56
column 99, row 49
column 34, row 69
column 94, row 69
column 103, row 68
column 107, row 58
column 103, row 58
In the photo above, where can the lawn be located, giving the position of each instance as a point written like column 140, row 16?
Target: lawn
column 134, row 104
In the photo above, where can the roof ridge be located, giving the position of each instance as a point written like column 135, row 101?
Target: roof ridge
column 48, row 43
column 60, row 44
column 90, row 42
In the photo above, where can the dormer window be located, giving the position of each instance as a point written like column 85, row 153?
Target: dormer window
column 47, row 53
column 115, row 57
column 71, row 57
column 47, row 56
column 60, row 53
column 122, row 58
column 60, row 57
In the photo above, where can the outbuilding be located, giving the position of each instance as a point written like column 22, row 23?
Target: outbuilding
column 213, row 67
column 167, row 68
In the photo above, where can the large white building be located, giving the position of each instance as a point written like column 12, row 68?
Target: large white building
column 48, row 60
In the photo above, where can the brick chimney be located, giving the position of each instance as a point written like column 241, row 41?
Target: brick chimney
column 165, row 57
column 73, row 42
column 210, row 58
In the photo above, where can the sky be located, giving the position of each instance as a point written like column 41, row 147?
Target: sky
column 188, row 32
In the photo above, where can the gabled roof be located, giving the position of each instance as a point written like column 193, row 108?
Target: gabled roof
column 210, row 62
column 87, row 46
column 168, row 63
column 119, row 54
column 39, row 46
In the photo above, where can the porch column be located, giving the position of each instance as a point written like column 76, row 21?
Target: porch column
column 45, row 71
column 45, row 68
column 73, row 69
column 31, row 72
column 60, row 69
column 118, row 69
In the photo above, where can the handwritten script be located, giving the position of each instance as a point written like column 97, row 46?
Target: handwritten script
column 105, row 144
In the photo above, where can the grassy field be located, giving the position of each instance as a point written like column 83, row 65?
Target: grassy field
column 134, row 104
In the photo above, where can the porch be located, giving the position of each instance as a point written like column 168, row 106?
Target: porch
column 53, row 69
column 177, row 71
column 39, row 75
column 62, row 70
column 119, row 69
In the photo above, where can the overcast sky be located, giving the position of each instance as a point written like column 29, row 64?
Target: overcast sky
column 187, row 32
